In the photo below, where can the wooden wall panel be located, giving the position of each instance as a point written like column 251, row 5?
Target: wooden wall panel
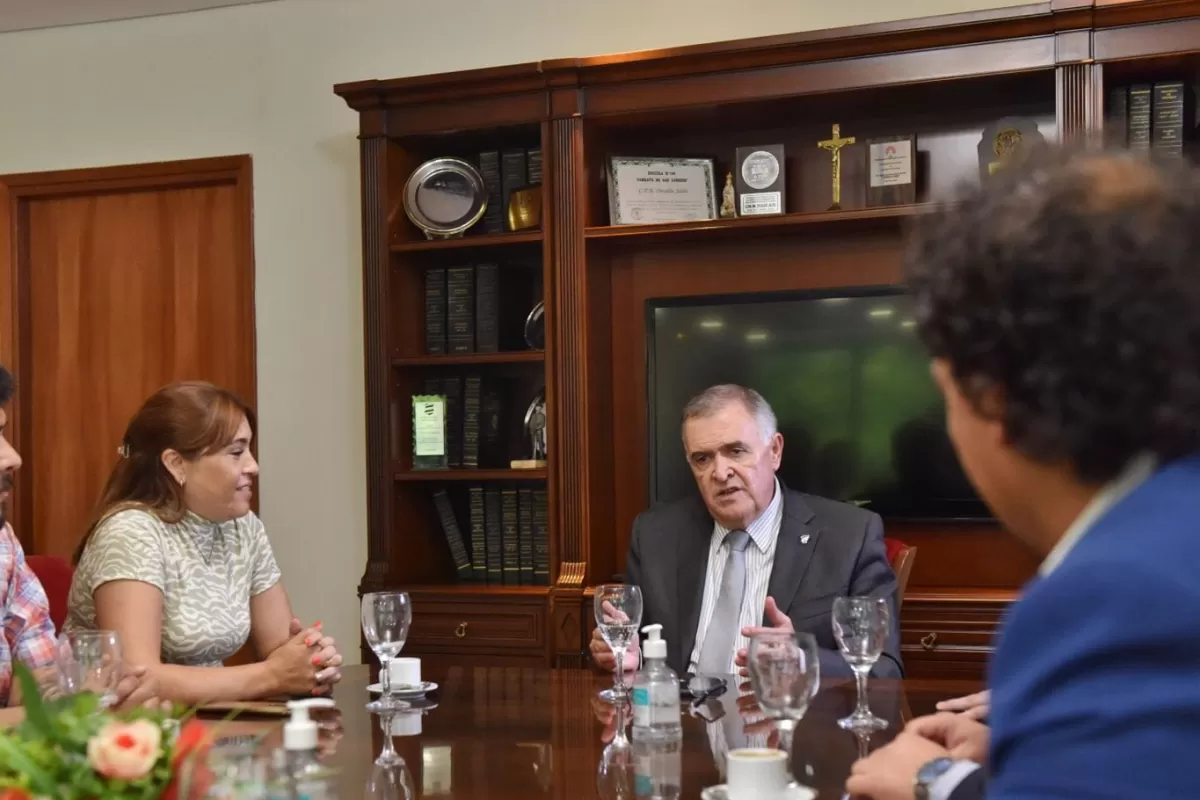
column 126, row 279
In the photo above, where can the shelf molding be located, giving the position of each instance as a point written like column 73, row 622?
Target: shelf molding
column 468, row 475
column 469, row 242
column 472, row 359
column 780, row 223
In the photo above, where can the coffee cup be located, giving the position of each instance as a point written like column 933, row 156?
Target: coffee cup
column 405, row 673
column 406, row 724
column 756, row 773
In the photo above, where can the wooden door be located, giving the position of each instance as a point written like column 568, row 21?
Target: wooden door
column 114, row 282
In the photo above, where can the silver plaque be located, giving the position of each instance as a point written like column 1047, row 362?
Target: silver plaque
column 444, row 197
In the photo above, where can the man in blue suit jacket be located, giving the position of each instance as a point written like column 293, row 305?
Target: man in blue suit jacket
column 1061, row 303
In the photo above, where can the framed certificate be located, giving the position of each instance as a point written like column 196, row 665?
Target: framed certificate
column 646, row 191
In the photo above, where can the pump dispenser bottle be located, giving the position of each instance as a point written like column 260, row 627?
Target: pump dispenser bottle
column 655, row 692
column 303, row 776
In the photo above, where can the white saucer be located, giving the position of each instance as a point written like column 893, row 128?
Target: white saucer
column 405, row 691
column 793, row 792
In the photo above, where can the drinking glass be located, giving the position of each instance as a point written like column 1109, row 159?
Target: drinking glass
column 861, row 625
column 385, row 620
column 391, row 779
column 785, row 672
column 618, row 616
column 615, row 775
column 90, row 661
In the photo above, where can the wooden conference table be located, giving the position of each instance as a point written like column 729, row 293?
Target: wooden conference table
column 515, row 732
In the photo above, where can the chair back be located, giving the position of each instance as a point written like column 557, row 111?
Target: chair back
column 55, row 574
column 901, row 557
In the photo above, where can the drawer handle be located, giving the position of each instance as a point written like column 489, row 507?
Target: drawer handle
column 461, row 630
column 929, row 640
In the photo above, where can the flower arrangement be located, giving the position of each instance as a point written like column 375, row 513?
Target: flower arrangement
column 71, row 749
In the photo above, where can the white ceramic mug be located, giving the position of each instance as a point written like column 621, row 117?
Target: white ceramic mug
column 756, row 773
column 404, row 672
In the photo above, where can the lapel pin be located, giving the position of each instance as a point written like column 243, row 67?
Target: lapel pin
column 804, row 539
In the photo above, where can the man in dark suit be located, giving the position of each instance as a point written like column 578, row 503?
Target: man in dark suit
column 749, row 552
column 1061, row 304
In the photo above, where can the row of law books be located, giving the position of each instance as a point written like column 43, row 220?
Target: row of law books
column 505, row 539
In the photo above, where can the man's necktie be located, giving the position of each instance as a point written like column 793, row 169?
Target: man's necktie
column 716, row 653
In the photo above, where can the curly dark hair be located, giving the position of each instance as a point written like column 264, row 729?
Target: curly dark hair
column 1071, row 283
column 8, row 386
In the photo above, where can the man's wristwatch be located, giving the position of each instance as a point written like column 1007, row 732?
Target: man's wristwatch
column 929, row 772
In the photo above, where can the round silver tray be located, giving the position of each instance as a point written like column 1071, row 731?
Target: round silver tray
column 535, row 327
column 444, row 197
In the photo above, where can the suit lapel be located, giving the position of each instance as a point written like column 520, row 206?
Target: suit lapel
column 794, row 549
column 692, row 559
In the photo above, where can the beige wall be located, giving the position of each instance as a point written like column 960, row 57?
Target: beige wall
column 257, row 79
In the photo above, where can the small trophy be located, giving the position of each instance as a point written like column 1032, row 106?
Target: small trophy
column 535, row 429
column 1005, row 141
column 429, row 431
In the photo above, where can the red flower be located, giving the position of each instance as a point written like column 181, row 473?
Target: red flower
column 13, row 794
column 190, row 763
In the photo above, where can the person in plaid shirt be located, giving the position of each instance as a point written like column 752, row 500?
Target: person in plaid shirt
column 29, row 635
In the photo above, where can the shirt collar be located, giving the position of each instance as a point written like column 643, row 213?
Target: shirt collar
column 765, row 528
column 1136, row 472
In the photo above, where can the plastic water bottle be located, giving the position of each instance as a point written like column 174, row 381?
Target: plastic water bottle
column 655, row 692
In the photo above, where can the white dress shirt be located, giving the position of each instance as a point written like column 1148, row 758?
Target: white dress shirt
column 1136, row 472
column 760, row 558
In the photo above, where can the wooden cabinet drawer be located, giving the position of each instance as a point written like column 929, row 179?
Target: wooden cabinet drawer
column 459, row 626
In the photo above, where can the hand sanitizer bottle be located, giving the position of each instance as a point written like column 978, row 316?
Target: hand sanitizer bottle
column 304, row 777
column 655, row 692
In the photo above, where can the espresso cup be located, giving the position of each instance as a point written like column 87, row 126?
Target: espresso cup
column 756, row 773
column 406, row 724
column 405, row 672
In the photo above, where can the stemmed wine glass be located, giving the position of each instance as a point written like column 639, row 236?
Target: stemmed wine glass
column 785, row 673
column 618, row 616
column 861, row 625
column 615, row 778
column 390, row 778
column 90, row 661
column 385, row 620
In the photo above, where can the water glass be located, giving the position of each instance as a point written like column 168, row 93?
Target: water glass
column 785, row 673
column 861, row 626
column 386, row 617
column 90, row 661
column 618, row 610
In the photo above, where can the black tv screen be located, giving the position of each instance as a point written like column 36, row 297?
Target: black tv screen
column 848, row 379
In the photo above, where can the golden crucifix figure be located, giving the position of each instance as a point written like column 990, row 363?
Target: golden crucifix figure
column 834, row 145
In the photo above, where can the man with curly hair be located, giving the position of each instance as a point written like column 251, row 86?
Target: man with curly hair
column 1061, row 304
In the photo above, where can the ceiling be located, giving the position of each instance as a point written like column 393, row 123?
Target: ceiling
column 20, row 15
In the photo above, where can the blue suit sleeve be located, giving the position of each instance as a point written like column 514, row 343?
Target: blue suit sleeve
column 1095, row 690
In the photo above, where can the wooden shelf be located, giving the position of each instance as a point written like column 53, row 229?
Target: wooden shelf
column 757, row 226
column 472, row 359
column 474, row 589
column 468, row 474
column 468, row 242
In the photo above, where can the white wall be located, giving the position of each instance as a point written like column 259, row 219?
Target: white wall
column 257, row 79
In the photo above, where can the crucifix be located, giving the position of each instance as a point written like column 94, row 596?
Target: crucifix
column 834, row 145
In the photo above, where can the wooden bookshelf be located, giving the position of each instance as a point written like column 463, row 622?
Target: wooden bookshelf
column 750, row 227
column 472, row 359
column 943, row 79
column 498, row 240
column 468, row 474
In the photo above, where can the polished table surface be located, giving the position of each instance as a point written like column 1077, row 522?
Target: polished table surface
column 516, row 732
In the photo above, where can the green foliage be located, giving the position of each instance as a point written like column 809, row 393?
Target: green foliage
column 47, row 753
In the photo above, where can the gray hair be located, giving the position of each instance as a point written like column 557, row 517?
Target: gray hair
column 715, row 398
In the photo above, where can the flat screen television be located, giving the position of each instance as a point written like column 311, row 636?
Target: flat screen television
column 848, row 379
